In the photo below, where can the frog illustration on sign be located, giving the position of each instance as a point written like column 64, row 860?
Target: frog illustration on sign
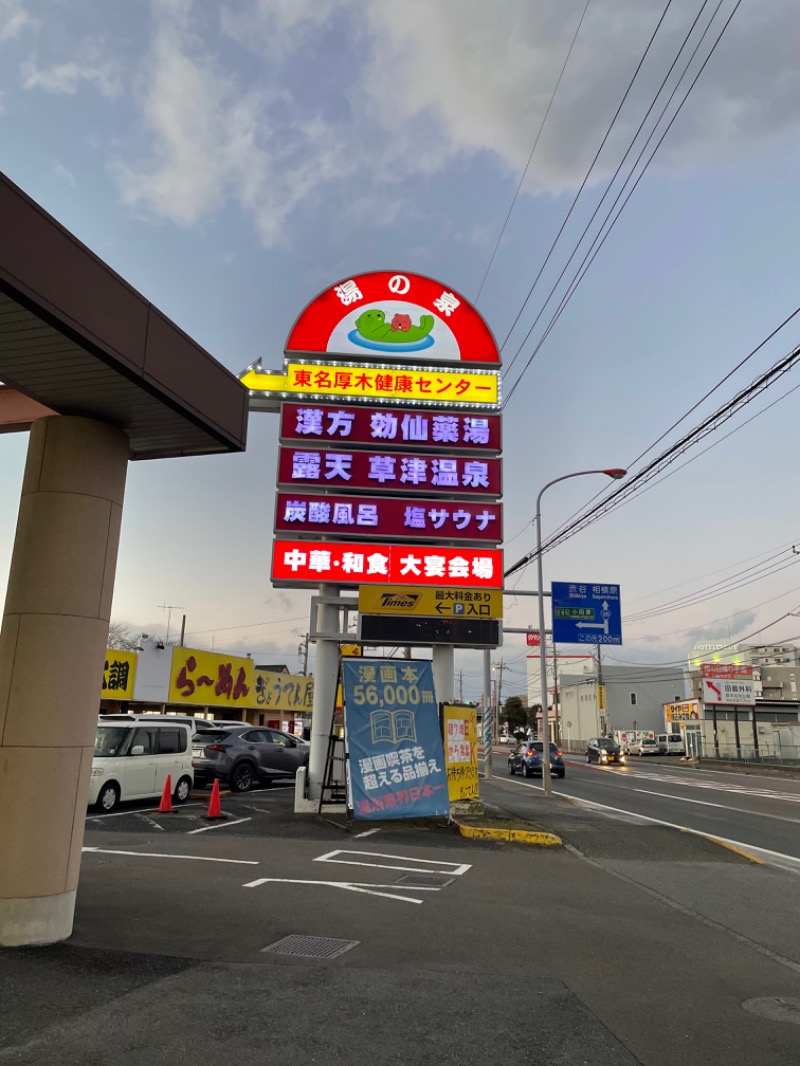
column 372, row 326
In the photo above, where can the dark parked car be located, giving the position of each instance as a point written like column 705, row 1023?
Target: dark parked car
column 604, row 750
column 240, row 755
column 526, row 759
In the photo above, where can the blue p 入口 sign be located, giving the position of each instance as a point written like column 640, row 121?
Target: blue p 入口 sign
column 394, row 742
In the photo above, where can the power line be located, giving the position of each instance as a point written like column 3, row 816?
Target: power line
column 587, row 175
column 715, row 621
column 251, row 625
column 609, row 186
column 599, row 241
column 533, row 149
column 713, row 592
column 616, row 497
column 733, row 644
column 772, row 552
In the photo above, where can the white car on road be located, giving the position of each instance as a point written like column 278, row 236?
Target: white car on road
column 643, row 746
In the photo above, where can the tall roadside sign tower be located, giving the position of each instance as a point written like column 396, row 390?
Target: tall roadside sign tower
column 389, row 473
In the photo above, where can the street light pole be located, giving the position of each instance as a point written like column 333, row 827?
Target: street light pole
column 616, row 473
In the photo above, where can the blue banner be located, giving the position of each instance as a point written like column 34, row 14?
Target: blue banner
column 394, row 742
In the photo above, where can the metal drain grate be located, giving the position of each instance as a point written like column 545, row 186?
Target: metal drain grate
column 311, row 947
column 424, row 880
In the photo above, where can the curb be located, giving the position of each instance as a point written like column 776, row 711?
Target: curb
column 514, row 836
column 724, row 844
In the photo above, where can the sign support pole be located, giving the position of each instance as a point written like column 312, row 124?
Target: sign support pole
column 488, row 713
column 326, row 676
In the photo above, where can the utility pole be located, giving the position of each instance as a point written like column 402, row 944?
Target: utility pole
column 600, row 689
column 499, row 667
column 556, row 708
column 460, row 686
column 302, row 650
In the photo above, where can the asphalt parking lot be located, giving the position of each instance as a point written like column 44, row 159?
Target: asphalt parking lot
column 408, row 943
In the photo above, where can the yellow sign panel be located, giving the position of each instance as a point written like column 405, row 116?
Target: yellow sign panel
column 432, row 602
column 601, row 697
column 119, row 674
column 352, row 650
column 282, row 692
column 346, row 381
column 461, row 751
column 685, row 711
column 209, row 679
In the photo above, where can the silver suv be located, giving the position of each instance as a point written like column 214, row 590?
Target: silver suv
column 238, row 756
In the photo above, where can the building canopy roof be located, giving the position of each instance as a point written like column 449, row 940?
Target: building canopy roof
column 79, row 340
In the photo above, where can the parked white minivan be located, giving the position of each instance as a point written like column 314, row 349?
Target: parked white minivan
column 670, row 744
column 132, row 760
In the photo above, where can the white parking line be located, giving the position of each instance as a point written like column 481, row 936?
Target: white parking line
column 349, row 886
column 149, row 821
column 144, row 810
column 219, row 825
column 367, row 833
column 454, row 869
column 159, row 855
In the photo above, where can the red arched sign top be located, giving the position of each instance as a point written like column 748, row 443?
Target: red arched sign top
column 387, row 314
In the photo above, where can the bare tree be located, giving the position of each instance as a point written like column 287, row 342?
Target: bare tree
column 122, row 637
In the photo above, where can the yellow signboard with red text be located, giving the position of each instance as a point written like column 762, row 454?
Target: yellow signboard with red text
column 282, row 692
column 210, row 679
column 460, row 726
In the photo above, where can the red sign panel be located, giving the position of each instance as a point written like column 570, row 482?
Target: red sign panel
column 405, row 316
column 389, row 471
column 726, row 670
column 386, row 427
column 300, row 562
column 533, row 640
column 388, row 517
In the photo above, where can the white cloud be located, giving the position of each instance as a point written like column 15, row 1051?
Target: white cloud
column 485, row 73
column 13, row 19
column 421, row 86
column 214, row 141
column 89, row 65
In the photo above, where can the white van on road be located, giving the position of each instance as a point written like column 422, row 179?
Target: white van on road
column 670, row 744
column 132, row 760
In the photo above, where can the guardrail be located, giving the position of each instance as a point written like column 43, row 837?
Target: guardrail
column 769, row 753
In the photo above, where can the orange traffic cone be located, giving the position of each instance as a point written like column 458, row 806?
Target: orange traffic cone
column 214, row 809
column 165, row 806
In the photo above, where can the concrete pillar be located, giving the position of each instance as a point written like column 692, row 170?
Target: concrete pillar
column 52, row 648
column 326, row 677
column 443, row 656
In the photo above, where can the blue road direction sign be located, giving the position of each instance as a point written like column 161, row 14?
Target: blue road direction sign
column 586, row 614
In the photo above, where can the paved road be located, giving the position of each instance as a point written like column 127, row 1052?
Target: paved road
column 760, row 812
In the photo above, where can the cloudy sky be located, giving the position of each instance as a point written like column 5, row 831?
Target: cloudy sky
column 232, row 159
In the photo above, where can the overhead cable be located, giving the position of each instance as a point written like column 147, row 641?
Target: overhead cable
column 533, row 150
column 600, row 237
